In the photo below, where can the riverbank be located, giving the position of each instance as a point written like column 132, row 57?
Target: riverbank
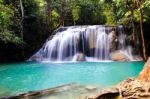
column 132, row 88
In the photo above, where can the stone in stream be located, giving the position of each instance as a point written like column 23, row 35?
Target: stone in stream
column 118, row 56
column 81, row 57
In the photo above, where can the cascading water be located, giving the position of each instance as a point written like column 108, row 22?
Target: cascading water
column 93, row 43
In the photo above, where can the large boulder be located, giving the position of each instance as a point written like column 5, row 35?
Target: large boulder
column 134, row 89
column 145, row 73
column 118, row 56
column 81, row 57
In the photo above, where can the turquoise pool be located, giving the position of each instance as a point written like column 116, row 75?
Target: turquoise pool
column 30, row 76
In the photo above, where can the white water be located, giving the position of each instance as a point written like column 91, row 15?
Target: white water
column 93, row 41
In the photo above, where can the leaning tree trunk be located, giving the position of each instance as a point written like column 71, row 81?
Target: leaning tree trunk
column 142, row 35
column 22, row 19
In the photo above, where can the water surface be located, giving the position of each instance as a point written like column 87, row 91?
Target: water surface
column 30, row 76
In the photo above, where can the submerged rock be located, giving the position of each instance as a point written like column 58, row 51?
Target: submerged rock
column 145, row 73
column 43, row 94
column 118, row 56
column 91, row 88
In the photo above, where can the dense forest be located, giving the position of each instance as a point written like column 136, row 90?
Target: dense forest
column 25, row 24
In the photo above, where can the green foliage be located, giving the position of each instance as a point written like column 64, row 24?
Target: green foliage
column 87, row 12
column 6, row 22
column 42, row 17
column 55, row 17
column 75, row 13
column 114, row 10
column 49, row 14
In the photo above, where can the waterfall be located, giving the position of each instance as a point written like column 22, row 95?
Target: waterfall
column 93, row 43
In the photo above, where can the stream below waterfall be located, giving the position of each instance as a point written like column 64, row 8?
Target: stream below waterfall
column 32, row 76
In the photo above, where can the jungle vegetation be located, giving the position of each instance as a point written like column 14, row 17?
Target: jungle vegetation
column 25, row 24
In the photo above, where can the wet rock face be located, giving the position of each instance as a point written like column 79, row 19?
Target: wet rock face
column 81, row 57
column 145, row 73
column 118, row 56
column 92, row 40
column 113, row 41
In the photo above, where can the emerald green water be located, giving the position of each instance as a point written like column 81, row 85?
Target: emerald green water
column 30, row 76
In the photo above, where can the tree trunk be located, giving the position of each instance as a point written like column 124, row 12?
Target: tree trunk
column 49, row 12
column 64, row 4
column 139, row 2
column 142, row 35
column 22, row 19
column 22, row 15
column 133, row 28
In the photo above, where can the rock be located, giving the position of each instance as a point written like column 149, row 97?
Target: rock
column 145, row 73
column 92, row 39
column 118, row 56
column 91, row 88
column 111, row 93
column 131, row 88
column 81, row 57
column 43, row 93
column 134, row 89
column 113, row 41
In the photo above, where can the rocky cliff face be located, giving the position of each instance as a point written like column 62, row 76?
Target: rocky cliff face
column 145, row 73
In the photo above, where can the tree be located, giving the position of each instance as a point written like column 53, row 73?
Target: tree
column 22, row 15
column 139, row 7
column 63, row 12
column 7, row 33
column 22, row 21
column 49, row 14
column 131, row 6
